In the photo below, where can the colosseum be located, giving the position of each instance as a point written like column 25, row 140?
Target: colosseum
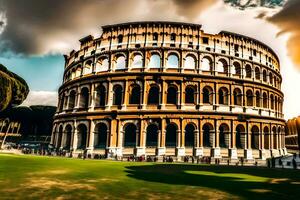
column 170, row 89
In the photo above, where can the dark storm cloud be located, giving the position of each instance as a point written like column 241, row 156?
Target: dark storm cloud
column 37, row 27
column 288, row 20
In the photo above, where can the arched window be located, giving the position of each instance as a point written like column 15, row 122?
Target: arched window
column 101, row 96
column 137, row 61
column 73, row 74
column 189, row 132
column 207, row 95
column 271, row 78
column 257, row 73
column 155, row 61
column 190, row 62
column 172, row 95
column 84, row 98
column 206, row 64
column 274, row 137
column 173, row 61
column 265, row 100
column 265, row 76
column 61, row 102
column 68, row 135
column 59, row 137
column 72, row 97
column 135, row 96
column 208, row 135
column 102, row 65
column 171, row 133
column 224, row 135
column 81, row 136
column 254, row 137
column 237, row 97
column 236, row 69
column 152, row 136
column 266, row 138
column 78, row 71
column 222, row 66
column 249, row 97
column 248, row 71
column 257, row 99
column 130, row 135
column 100, row 136
column 120, row 63
column 153, row 96
column 223, row 96
column 240, row 137
column 118, row 95
column 190, row 95
column 87, row 67
column 272, row 101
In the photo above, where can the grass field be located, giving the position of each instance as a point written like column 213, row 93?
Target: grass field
column 33, row 177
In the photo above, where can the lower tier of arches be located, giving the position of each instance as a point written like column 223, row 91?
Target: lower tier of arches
column 213, row 136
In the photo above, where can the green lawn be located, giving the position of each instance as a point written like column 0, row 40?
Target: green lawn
column 33, row 177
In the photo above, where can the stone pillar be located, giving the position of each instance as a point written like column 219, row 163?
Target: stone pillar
column 91, row 138
column 109, row 95
column 145, row 95
column 77, row 100
column 125, row 95
column 163, row 95
column 180, row 142
column 75, row 139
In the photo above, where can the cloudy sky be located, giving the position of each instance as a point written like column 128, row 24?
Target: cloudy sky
column 34, row 34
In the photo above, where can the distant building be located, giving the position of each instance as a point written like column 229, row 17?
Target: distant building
column 171, row 89
column 292, row 139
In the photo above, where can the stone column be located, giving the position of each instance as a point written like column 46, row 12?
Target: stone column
column 75, row 139
column 91, row 138
column 93, row 93
column 109, row 95
column 125, row 95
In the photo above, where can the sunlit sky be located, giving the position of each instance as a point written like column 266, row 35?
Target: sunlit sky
column 33, row 40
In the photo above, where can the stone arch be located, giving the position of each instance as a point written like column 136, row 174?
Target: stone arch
column 171, row 135
column 84, row 98
column 240, row 136
column 152, row 135
column 222, row 66
column 82, row 136
column 208, row 132
column 101, row 136
column 100, row 100
column 189, row 134
column 155, row 60
column 120, row 61
column 173, row 60
column 102, row 64
column 59, row 136
column 190, row 62
column 237, row 97
column 68, row 136
column 118, row 95
column 223, row 96
column 130, row 135
column 249, row 97
column 265, row 100
column 274, row 137
column 135, row 94
column 224, row 135
column 237, row 69
column 154, row 95
column 257, row 98
column 208, row 95
column 265, row 75
column 72, row 98
column 190, row 94
column 255, row 137
column 172, row 94
column 207, row 64
column 137, row 60
column 88, row 67
column 266, row 137
column 248, row 70
column 257, row 73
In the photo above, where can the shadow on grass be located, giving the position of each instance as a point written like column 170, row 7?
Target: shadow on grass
column 246, row 182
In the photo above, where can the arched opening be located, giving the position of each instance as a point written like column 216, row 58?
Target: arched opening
column 257, row 99
column 207, row 95
column 82, row 136
column 100, row 136
column 237, row 69
column 171, row 135
column 265, row 76
column 254, row 137
column 224, row 136
column 190, row 95
column 78, row 71
column 173, row 37
column 257, row 73
column 274, row 138
column 153, row 96
column 61, row 102
column 101, row 96
column 120, row 39
column 208, row 135
column 272, row 101
column 266, row 138
column 172, row 95
column 223, row 96
column 271, row 78
column 72, row 97
column 130, row 135
column 173, row 61
column 137, row 61
column 206, row 64
column 222, row 66
column 190, row 62
column 248, row 71
column 189, row 135
column 88, row 67
column 237, row 97
column 240, row 137
column 102, row 65
column 265, row 100
column 84, row 98
column 68, row 136
column 152, row 136
column 118, row 95
column 135, row 96
column 121, row 62
column 249, row 97
column 59, row 137
column 155, row 61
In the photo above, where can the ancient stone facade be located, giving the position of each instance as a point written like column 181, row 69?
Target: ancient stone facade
column 292, row 135
column 165, row 88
